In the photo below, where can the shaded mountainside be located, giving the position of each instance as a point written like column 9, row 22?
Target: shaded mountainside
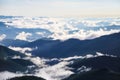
column 102, row 68
column 101, row 74
column 42, row 43
column 11, row 42
column 6, row 52
column 109, row 44
column 111, row 63
column 9, row 64
column 27, row 78
column 12, row 65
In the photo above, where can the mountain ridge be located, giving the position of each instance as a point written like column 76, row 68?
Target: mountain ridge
column 109, row 44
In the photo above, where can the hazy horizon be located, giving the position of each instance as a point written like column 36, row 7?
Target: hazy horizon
column 62, row 8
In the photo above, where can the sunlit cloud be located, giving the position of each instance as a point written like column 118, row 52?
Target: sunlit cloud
column 64, row 28
column 23, row 36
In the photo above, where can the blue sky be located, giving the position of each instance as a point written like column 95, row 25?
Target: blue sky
column 66, row 8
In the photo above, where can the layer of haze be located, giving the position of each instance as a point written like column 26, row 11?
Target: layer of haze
column 64, row 8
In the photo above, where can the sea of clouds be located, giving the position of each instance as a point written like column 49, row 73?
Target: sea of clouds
column 60, row 28
column 56, row 28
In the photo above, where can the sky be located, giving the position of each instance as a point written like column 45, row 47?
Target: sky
column 56, row 8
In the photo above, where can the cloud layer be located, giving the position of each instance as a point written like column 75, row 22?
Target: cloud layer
column 57, row 71
column 23, row 36
column 62, row 28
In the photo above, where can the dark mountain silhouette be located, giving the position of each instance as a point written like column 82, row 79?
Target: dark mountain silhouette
column 27, row 78
column 102, row 68
column 14, row 65
column 100, row 74
column 111, row 63
column 109, row 44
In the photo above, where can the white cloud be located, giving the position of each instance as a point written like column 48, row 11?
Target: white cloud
column 83, row 28
column 83, row 34
column 22, row 50
column 7, row 75
column 40, row 62
column 50, row 72
column 56, row 72
column 71, row 58
column 42, row 34
column 83, row 69
column 23, row 36
column 86, row 56
column 16, row 57
column 99, row 54
column 3, row 36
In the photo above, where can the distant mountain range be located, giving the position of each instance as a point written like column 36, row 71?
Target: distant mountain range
column 12, row 42
column 109, row 44
column 101, row 67
column 49, row 48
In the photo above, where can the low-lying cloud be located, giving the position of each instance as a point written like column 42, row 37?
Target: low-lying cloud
column 7, row 75
column 22, row 50
column 64, row 28
column 23, row 36
column 57, row 71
